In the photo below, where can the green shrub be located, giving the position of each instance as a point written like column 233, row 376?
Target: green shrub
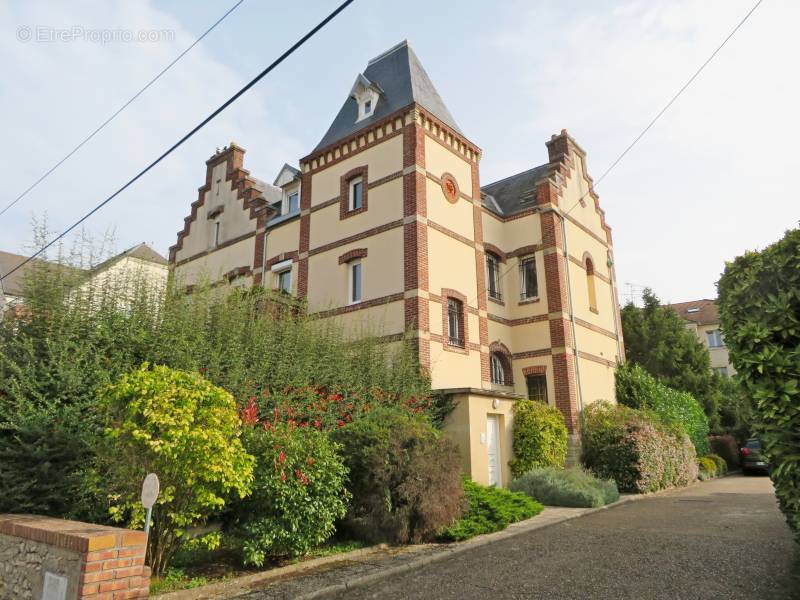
column 404, row 477
column 634, row 449
column 566, row 487
column 707, row 468
column 489, row 509
column 297, row 496
column 722, row 465
column 726, row 447
column 540, row 437
column 640, row 390
column 184, row 429
column 759, row 301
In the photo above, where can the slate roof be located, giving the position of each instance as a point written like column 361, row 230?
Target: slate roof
column 706, row 313
column 515, row 193
column 403, row 80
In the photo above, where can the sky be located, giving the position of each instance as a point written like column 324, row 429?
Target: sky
column 712, row 179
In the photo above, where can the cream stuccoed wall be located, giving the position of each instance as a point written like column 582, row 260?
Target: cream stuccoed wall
column 128, row 274
column 381, row 271
column 234, row 220
column 383, row 159
column 215, row 264
column 466, row 425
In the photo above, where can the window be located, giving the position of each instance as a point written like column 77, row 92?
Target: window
column 355, row 282
column 692, row 310
column 721, row 371
column 367, row 107
column 529, row 287
column 455, row 322
column 499, row 373
column 356, row 194
column 590, row 290
column 537, row 387
column 217, row 232
column 218, row 183
column 293, row 202
column 714, row 339
column 284, row 281
column 492, row 272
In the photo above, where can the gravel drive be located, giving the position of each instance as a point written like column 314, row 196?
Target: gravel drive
column 722, row 539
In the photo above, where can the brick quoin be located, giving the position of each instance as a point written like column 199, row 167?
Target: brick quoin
column 415, row 239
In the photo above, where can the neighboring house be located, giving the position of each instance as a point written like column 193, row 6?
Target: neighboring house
column 508, row 288
column 702, row 317
column 139, row 263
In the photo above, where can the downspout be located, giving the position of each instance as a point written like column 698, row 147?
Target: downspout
column 615, row 304
column 572, row 313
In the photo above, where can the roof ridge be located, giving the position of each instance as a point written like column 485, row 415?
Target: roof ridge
column 386, row 53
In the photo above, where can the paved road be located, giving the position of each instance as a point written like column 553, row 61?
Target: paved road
column 722, row 539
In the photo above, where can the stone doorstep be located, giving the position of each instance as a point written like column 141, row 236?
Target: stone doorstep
column 362, row 567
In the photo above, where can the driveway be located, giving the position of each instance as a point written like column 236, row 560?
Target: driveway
column 722, row 539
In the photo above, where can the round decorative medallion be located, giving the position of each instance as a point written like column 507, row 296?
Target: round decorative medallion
column 450, row 188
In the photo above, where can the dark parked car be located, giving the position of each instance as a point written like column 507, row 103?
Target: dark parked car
column 751, row 459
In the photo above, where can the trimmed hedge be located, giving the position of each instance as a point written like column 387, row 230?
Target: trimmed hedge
column 759, row 302
column 711, row 466
column 634, row 449
column 540, row 437
column 489, row 509
column 640, row 390
column 404, row 477
column 566, row 487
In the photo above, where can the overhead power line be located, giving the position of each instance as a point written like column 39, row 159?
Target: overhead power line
column 194, row 130
column 119, row 110
column 656, row 118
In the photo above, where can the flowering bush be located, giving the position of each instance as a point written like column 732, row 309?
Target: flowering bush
column 404, row 477
column 540, row 437
column 638, row 389
column 326, row 408
column 298, row 492
column 635, row 450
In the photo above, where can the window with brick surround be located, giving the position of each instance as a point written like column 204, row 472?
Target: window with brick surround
column 537, row 387
column 455, row 322
column 284, row 281
column 355, row 282
column 590, row 288
column 500, row 370
column 528, row 283
column 492, row 276
column 356, row 201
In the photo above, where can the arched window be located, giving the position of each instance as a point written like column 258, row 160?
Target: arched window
column 500, row 364
column 590, row 289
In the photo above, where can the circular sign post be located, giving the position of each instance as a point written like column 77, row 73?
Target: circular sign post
column 150, row 489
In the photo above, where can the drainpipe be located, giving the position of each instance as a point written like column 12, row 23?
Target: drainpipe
column 615, row 304
column 572, row 313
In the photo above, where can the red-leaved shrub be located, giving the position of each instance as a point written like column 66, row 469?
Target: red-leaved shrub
column 726, row 447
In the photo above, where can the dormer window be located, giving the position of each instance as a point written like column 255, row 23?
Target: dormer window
column 366, row 95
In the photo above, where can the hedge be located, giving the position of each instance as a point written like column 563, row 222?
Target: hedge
column 566, row 487
column 638, row 389
column 635, row 450
column 759, row 302
column 540, row 437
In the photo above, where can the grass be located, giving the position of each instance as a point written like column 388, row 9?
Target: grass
column 566, row 487
column 490, row 509
column 196, row 566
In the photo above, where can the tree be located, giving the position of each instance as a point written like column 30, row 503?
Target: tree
column 657, row 339
column 759, row 304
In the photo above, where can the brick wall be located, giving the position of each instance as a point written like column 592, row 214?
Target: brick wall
column 97, row 562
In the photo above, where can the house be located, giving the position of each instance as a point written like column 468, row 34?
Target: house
column 508, row 288
column 121, row 271
column 702, row 318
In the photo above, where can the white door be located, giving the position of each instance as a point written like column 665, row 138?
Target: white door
column 493, row 449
